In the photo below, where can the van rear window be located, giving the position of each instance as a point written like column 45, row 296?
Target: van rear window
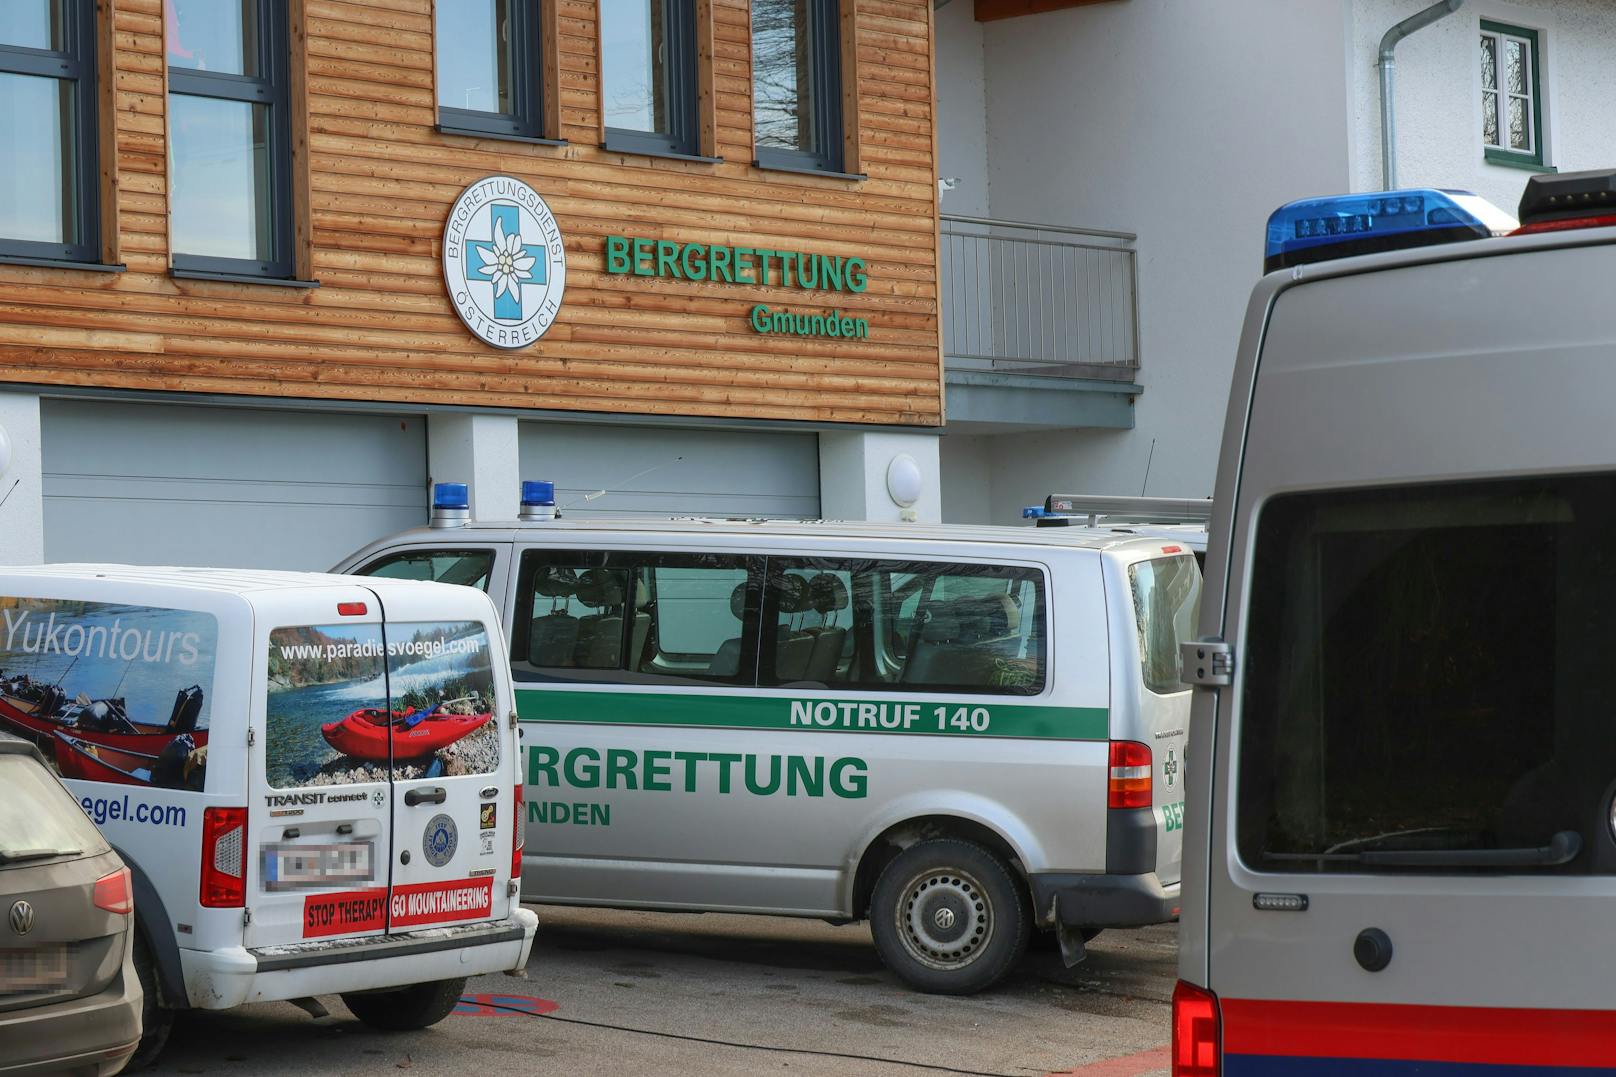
column 1166, row 607
column 1426, row 675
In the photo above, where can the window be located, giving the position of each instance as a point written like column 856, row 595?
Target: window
column 648, row 64
column 1425, row 679
column 903, row 626
column 469, row 568
column 50, row 187
column 797, row 84
column 1511, row 101
column 490, row 69
column 637, row 618
column 1166, row 605
column 229, row 139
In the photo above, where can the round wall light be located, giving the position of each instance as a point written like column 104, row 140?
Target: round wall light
column 904, row 480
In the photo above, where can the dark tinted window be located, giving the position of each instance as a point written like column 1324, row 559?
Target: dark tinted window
column 625, row 617
column 469, row 568
column 1426, row 668
column 903, row 626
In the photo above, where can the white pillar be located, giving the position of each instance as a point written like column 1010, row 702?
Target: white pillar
column 481, row 451
column 22, row 513
column 885, row 478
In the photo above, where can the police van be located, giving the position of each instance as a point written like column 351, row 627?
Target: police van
column 1400, row 854
column 312, row 779
column 963, row 734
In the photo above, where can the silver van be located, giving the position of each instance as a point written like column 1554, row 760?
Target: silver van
column 964, row 734
column 1400, row 854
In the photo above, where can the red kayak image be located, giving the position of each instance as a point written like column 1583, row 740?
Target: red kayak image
column 180, row 764
column 368, row 732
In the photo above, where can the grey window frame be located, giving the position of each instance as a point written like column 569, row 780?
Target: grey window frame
column 271, row 89
column 825, row 36
column 77, row 64
column 430, row 552
column 683, row 137
column 525, row 60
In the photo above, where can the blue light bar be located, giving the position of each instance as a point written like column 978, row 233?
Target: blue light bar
column 538, row 492
column 1321, row 229
column 450, row 495
column 1034, row 512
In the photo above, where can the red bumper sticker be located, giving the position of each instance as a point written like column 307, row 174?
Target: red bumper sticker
column 437, row 903
column 411, row 906
column 345, row 913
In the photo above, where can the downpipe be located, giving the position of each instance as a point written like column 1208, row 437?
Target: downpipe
column 1388, row 72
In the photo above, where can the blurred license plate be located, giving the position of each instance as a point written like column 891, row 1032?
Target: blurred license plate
column 33, row 969
column 292, row 867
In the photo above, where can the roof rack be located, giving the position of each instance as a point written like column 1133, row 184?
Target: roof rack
column 1152, row 510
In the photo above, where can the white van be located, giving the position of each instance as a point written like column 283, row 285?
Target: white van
column 312, row 779
column 1400, row 854
column 963, row 734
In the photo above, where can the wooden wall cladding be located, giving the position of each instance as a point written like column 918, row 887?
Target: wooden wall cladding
column 378, row 184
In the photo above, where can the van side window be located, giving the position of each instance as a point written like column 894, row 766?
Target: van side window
column 1166, row 607
column 903, row 626
column 470, row 568
column 635, row 618
column 1426, row 669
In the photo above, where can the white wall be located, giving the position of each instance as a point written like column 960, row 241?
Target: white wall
column 962, row 146
column 967, row 479
column 22, row 511
column 1439, row 93
column 1187, row 123
column 853, row 476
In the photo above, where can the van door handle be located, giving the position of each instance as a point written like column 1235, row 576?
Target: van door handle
column 435, row 795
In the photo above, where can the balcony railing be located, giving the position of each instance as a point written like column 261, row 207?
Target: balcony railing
column 1039, row 299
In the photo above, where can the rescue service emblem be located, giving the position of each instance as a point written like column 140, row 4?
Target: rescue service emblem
column 503, row 262
column 439, row 842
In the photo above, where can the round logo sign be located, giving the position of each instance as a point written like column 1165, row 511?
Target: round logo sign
column 503, row 262
column 439, row 842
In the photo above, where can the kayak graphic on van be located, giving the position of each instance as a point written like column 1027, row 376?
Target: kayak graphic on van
column 111, row 693
column 330, row 720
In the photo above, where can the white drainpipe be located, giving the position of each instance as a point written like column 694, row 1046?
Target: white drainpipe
column 1388, row 64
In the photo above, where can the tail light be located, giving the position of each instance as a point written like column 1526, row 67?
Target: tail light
column 1197, row 1032
column 112, row 893
column 518, row 836
column 224, row 858
column 1130, row 775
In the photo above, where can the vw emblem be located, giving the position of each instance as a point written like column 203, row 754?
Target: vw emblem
column 504, row 262
column 22, row 918
column 944, row 918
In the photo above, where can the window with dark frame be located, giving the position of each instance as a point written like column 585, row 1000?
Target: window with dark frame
column 1511, row 95
column 229, row 138
column 797, row 84
column 648, row 76
column 50, row 189
column 490, row 68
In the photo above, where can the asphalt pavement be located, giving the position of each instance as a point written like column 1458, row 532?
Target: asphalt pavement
column 611, row 992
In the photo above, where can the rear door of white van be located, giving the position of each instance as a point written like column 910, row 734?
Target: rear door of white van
column 453, row 750
column 318, row 819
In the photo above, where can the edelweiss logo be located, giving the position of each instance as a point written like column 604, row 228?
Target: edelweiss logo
column 504, row 262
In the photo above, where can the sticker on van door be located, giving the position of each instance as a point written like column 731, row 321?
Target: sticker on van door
column 110, row 693
column 329, row 721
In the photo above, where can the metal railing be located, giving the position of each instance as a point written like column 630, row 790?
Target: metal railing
column 1039, row 299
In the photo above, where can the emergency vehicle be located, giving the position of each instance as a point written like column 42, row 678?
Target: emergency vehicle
column 1400, row 851
column 1172, row 518
column 965, row 735
column 312, row 779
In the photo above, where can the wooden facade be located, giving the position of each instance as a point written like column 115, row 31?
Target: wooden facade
column 373, row 181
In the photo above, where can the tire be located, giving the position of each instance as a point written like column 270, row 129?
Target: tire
column 406, row 1009
column 155, row 1020
column 948, row 917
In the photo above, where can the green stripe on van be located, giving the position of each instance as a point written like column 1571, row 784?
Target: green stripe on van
column 812, row 714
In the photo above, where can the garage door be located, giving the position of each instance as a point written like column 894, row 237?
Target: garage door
column 173, row 484
column 658, row 471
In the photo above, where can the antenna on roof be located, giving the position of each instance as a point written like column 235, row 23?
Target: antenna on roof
column 620, row 482
column 1148, row 461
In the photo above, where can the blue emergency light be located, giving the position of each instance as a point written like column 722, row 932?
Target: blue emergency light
column 1321, row 229
column 1034, row 512
column 539, row 493
column 450, row 495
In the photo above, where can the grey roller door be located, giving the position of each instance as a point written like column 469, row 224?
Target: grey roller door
column 229, row 487
column 662, row 471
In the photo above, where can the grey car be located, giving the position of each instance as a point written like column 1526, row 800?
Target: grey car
column 70, row 1000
